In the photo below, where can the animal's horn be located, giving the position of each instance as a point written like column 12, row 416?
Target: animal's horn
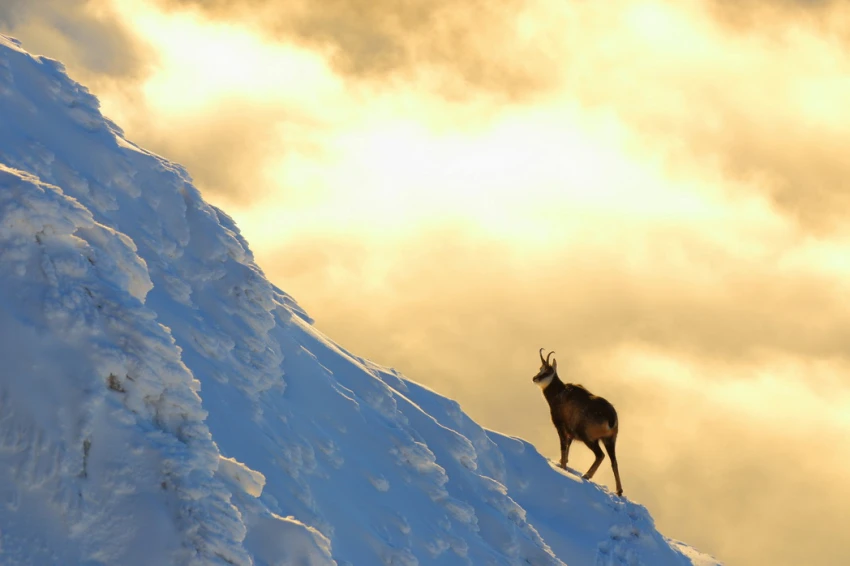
column 541, row 356
column 547, row 357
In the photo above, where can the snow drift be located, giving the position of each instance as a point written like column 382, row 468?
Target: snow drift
column 161, row 402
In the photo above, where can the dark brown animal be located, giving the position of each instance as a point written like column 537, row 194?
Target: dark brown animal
column 577, row 413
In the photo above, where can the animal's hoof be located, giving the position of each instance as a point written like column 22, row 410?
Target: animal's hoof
column 585, row 477
column 562, row 465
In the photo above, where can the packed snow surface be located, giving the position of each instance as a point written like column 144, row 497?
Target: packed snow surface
column 161, row 402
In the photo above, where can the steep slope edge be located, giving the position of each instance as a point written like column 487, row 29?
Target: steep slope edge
column 162, row 402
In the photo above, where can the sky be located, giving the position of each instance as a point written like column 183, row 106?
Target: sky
column 658, row 191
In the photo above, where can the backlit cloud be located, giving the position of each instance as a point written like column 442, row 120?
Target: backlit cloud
column 85, row 33
column 468, row 45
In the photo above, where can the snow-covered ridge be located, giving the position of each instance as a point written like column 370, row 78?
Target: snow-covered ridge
column 161, row 402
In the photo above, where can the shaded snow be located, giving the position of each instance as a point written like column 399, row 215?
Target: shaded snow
column 161, row 402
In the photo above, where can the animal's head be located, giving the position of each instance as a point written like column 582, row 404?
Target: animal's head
column 547, row 371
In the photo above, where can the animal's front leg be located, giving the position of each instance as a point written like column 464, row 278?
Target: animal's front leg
column 566, row 440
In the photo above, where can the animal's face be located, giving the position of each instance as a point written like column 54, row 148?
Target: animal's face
column 547, row 371
column 544, row 377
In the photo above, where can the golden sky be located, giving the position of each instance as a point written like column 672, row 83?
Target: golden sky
column 659, row 191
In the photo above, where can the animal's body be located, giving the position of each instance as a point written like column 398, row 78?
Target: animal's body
column 579, row 414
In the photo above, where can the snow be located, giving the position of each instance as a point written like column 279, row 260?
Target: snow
column 250, row 481
column 161, row 402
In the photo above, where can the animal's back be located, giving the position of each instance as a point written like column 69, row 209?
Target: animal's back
column 581, row 411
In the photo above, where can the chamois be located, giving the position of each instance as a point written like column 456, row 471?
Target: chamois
column 577, row 413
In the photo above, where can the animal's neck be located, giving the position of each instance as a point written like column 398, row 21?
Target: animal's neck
column 555, row 387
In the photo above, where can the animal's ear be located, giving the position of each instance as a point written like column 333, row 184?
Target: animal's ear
column 555, row 364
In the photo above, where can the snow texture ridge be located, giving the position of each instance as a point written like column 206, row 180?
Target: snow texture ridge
column 161, row 402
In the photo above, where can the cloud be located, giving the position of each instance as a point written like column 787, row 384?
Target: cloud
column 461, row 45
column 225, row 150
column 748, row 89
column 689, row 83
column 682, row 297
column 722, row 445
column 760, row 103
column 753, row 14
column 734, row 483
column 84, row 34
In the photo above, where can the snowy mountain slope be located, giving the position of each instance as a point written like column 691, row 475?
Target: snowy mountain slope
column 162, row 403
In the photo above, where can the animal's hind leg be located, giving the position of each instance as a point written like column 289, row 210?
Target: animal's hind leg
column 609, row 443
column 597, row 451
